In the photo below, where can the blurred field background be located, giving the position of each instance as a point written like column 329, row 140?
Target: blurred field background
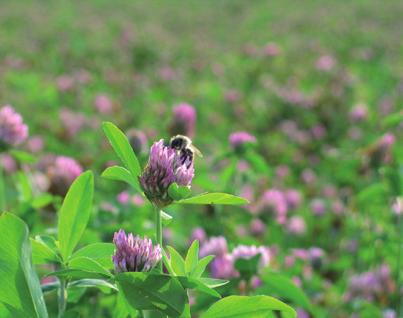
column 288, row 72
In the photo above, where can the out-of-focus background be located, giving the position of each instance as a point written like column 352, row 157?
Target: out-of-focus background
column 317, row 85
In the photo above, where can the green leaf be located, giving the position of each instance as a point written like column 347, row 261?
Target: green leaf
column 101, row 284
column 74, row 273
column 393, row 120
column 192, row 257
column 24, row 187
column 167, row 263
column 122, row 309
column 196, row 284
column 177, row 262
column 121, row 174
column 44, row 252
column 22, row 156
column 75, row 213
column 99, row 252
column 247, row 307
column 213, row 282
column 283, row 287
column 214, row 198
column 42, row 201
column 177, row 192
column 166, row 218
column 201, row 266
column 88, row 264
column 144, row 291
column 121, row 145
column 371, row 193
column 46, row 288
column 258, row 162
column 20, row 287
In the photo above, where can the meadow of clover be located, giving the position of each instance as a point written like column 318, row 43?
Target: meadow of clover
column 208, row 159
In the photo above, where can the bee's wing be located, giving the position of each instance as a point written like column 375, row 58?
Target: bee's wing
column 196, row 151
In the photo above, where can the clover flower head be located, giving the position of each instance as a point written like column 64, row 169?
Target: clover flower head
column 184, row 120
column 165, row 166
column 216, row 245
column 223, row 267
column 13, row 131
column 62, row 172
column 239, row 139
column 247, row 252
column 134, row 254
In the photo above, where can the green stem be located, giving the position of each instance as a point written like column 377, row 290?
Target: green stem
column 2, row 192
column 62, row 297
column 158, row 231
column 399, row 308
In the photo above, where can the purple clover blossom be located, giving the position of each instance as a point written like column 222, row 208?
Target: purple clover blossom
column 223, row 267
column 133, row 254
column 296, row 225
column 199, row 234
column 184, row 120
column 318, row 207
column 103, row 104
column 247, row 252
column 62, row 172
column 359, row 112
column 13, row 131
column 293, row 198
column 240, row 138
column 216, row 245
column 165, row 166
column 274, row 200
column 257, row 227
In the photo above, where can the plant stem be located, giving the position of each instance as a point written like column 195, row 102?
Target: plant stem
column 2, row 192
column 62, row 297
column 399, row 308
column 158, row 231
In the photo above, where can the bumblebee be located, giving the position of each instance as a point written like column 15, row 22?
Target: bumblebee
column 184, row 146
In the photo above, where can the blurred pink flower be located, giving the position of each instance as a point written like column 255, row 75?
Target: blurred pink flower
column 359, row 112
column 325, row 63
column 249, row 251
column 199, row 234
column 137, row 200
column 71, row 121
column 308, row 176
column 243, row 166
column 35, row 144
column 296, row 225
column 397, row 206
column 238, row 139
column 62, row 172
column 257, row 227
column 338, row 207
column 274, row 200
column 232, row 96
column 183, row 120
column 282, row 171
column 167, row 73
column 8, row 163
column 123, row 197
column 103, row 104
column 318, row 207
column 271, row 49
column 65, row 83
column 13, row 130
column 293, row 198
column 318, row 131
